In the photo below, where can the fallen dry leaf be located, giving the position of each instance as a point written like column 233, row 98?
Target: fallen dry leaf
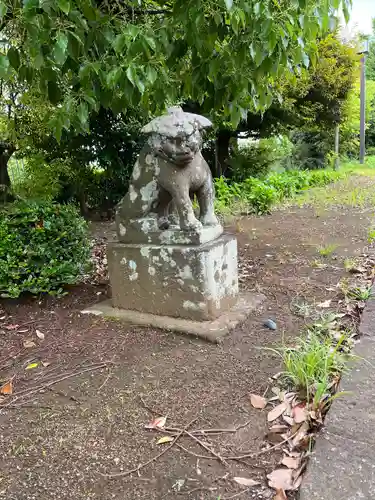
column 301, row 439
column 297, row 483
column 276, row 434
column 289, row 420
column 158, row 423
column 244, row 481
column 326, row 303
column 278, row 428
column 12, row 327
column 276, row 412
column 291, row 463
column 7, row 388
column 40, row 334
column 165, row 439
column 32, row 365
column 258, row 401
column 280, row 495
column 28, row 344
column 45, row 363
column 281, row 479
column 300, row 413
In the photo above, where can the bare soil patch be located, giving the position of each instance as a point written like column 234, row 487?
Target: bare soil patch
column 61, row 442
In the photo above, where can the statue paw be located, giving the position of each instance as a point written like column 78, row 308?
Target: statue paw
column 191, row 225
column 163, row 223
column 209, row 220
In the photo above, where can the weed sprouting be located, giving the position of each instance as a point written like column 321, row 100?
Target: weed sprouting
column 327, row 250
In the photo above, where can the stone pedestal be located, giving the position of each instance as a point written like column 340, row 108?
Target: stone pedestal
column 190, row 282
column 189, row 288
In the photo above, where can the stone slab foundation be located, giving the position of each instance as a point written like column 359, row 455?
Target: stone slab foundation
column 213, row 331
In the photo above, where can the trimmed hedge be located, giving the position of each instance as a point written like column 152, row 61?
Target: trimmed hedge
column 43, row 246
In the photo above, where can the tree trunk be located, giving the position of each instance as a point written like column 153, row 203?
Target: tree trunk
column 6, row 152
column 222, row 147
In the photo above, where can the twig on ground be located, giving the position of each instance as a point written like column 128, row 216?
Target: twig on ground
column 197, row 432
column 262, row 452
column 237, row 494
column 151, row 410
column 153, row 459
column 242, row 426
column 205, row 457
column 207, row 448
column 29, row 392
column 198, row 488
column 61, row 393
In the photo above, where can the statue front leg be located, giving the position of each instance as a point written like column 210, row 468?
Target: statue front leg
column 185, row 210
column 163, row 209
column 206, row 197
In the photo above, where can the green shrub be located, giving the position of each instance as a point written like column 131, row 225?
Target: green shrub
column 311, row 149
column 43, row 246
column 259, row 195
column 39, row 180
column 255, row 159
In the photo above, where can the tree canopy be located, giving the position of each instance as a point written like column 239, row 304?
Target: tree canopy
column 226, row 55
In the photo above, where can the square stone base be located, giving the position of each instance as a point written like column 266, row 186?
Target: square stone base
column 146, row 231
column 191, row 282
column 214, row 330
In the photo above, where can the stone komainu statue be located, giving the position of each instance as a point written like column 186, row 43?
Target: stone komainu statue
column 170, row 170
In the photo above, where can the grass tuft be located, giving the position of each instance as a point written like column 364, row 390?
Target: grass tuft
column 327, row 250
column 312, row 364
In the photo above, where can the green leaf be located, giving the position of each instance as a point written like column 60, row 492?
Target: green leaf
column 64, row 5
column 150, row 41
column 83, row 113
column 151, row 74
column 272, row 41
column 14, row 58
column 30, row 4
column 119, row 43
column 259, row 57
column 60, row 52
column 132, row 30
column 3, row 9
column 228, row 4
column 305, row 60
column 113, row 77
column 218, row 18
column 4, row 65
column 131, row 74
column 140, row 85
column 54, row 92
column 38, row 61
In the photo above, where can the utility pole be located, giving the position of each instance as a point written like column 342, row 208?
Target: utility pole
column 337, row 146
column 362, row 151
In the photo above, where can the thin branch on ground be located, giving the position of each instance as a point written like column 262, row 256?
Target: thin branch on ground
column 29, row 392
column 207, row 448
column 190, row 452
column 153, row 411
column 262, row 452
column 237, row 494
column 153, row 459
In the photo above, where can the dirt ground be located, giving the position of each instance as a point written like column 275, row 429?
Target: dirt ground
column 62, row 441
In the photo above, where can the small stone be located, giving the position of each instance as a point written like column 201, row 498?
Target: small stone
column 270, row 324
